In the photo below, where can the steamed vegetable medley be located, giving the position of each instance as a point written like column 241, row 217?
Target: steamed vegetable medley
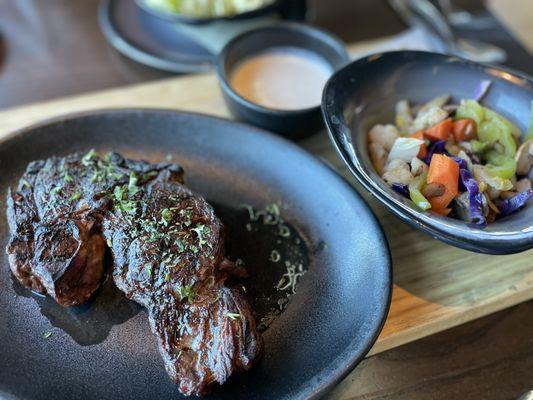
column 464, row 160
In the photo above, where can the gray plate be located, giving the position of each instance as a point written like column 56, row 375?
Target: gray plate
column 105, row 349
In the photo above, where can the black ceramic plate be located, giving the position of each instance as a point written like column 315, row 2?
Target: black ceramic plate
column 177, row 17
column 365, row 93
column 105, row 349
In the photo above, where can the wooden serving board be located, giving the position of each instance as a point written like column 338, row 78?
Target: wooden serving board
column 436, row 286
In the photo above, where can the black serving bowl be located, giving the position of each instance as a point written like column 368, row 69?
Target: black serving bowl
column 291, row 123
column 365, row 92
column 186, row 19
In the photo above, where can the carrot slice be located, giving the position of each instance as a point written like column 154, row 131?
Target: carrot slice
column 422, row 153
column 440, row 131
column 464, row 129
column 443, row 170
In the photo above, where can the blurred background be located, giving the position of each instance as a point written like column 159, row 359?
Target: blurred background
column 54, row 48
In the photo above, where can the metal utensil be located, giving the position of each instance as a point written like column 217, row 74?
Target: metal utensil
column 459, row 17
column 424, row 13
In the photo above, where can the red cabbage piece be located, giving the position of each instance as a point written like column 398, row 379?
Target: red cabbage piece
column 475, row 198
column 401, row 189
column 516, row 202
column 437, row 147
column 462, row 163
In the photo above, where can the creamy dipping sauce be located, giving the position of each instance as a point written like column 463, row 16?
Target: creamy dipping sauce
column 283, row 78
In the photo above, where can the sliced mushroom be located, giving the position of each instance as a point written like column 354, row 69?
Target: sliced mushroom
column 379, row 156
column 492, row 193
column 507, row 194
column 384, row 135
column 433, row 190
column 524, row 157
column 523, row 185
column 418, row 167
column 493, row 208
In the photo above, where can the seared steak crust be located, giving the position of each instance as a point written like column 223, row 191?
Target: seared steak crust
column 168, row 251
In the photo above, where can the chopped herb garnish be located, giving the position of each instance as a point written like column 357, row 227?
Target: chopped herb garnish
column 291, row 277
column 202, row 230
column 272, row 209
column 186, row 214
column 149, row 175
column 75, row 196
column 132, row 184
column 129, row 207
column 185, row 292
column 98, row 176
column 88, row 158
column 166, row 216
column 121, row 202
column 55, row 190
column 67, row 178
column 181, row 246
column 275, row 256
column 233, row 316
column 119, row 193
column 284, row 230
column 47, row 334
column 25, row 183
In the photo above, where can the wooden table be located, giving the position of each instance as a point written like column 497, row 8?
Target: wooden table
column 55, row 49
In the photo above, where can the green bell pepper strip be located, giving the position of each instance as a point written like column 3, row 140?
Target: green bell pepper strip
column 415, row 187
column 500, row 165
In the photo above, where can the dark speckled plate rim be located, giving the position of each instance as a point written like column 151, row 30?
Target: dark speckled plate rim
column 353, row 356
column 473, row 241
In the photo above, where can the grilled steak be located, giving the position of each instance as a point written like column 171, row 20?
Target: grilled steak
column 168, row 250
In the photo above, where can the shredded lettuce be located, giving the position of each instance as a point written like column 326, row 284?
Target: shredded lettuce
column 405, row 149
